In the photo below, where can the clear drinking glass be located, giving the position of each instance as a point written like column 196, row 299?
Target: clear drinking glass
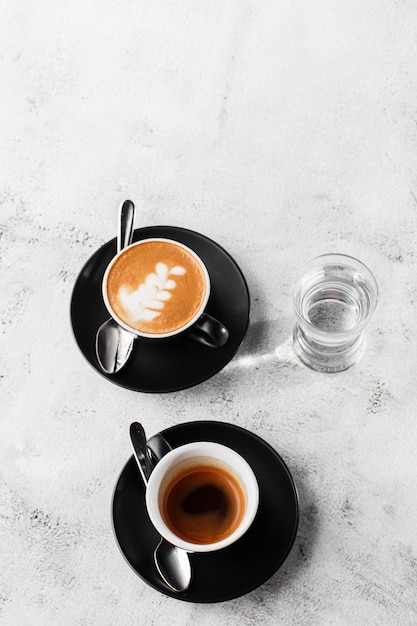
column 334, row 297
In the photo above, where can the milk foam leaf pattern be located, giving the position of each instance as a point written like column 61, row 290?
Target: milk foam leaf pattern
column 148, row 300
column 177, row 270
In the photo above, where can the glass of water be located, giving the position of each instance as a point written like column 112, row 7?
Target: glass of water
column 334, row 297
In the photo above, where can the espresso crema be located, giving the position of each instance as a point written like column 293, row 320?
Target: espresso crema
column 156, row 287
column 203, row 503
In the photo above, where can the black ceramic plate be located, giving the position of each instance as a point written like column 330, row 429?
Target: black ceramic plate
column 233, row 571
column 179, row 362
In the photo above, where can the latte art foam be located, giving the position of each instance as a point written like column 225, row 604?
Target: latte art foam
column 156, row 287
column 148, row 301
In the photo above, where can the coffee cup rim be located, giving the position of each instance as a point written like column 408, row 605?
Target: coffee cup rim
column 173, row 333
column 225, row 456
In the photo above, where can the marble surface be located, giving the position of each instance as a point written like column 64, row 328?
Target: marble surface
column 282, row 130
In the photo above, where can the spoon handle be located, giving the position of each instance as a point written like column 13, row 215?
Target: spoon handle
column 125, row 223
column 140, row 448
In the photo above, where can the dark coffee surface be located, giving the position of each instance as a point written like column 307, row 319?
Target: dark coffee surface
column 203, row 504
column 204, row 499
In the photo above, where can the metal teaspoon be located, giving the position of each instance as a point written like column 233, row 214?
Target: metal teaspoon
column 172, row 563
column 114, row 343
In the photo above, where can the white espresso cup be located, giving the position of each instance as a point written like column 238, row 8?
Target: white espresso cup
column 202, row 496
column 158, row 288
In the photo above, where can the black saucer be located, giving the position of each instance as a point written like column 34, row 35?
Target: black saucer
column 179, row 362
column 233, row 571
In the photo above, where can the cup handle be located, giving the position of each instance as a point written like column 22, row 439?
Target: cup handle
column 209, row 331
column 158, row 446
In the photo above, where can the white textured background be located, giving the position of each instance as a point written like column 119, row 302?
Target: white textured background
column 282, row 130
